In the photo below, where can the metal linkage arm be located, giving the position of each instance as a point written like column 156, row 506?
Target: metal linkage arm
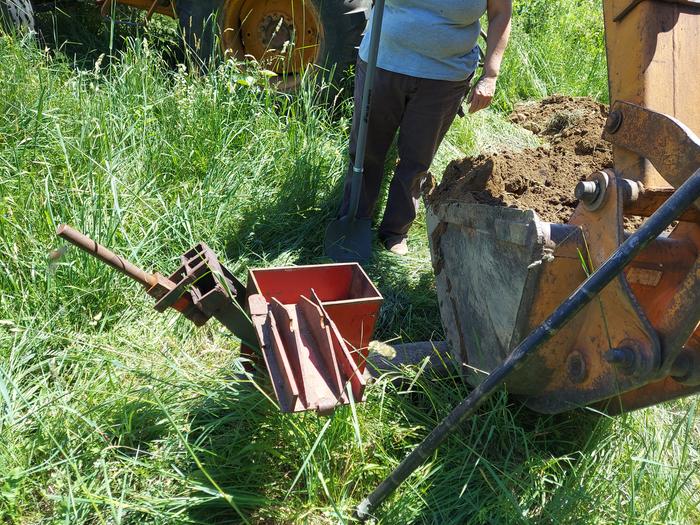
column 157, row 286
column 672, row 148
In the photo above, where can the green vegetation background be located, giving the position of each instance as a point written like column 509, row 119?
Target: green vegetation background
column 112, row 413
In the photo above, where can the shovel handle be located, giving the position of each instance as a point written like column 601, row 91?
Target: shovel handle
column 95, row 249
column 358, row 168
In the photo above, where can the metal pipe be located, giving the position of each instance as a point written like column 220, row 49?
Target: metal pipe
column 589, row 289
column 358, row 167
column 95, row 249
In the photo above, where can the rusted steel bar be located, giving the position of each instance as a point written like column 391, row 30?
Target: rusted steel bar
column 85, row 243
column 649, row 201
column 634, row 3
column 589, row 289
column 199, row 289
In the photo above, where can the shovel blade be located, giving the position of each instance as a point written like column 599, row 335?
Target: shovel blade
column 349, row 240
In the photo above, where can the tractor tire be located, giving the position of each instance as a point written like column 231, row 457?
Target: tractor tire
column 325, row 33
column 17, row 15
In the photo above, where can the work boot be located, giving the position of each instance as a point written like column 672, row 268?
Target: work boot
column 397, row 245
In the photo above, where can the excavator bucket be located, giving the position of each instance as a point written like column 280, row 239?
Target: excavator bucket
column 501, row 271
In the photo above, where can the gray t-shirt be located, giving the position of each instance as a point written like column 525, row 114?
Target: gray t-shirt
column 434, row 39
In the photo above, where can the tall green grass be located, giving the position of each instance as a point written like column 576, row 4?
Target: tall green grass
column 556, row 47
column 111, row 413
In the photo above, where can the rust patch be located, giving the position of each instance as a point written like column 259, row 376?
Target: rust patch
column 644, row 276
column 435, row 239
column 463, row 353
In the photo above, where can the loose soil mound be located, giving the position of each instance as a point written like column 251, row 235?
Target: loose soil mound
column 541, row 179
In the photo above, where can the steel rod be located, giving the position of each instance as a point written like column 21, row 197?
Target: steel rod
column 683, row 197
column 95, row 249
column 358, row 167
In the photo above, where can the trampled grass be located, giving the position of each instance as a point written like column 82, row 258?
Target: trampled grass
column 112, row 413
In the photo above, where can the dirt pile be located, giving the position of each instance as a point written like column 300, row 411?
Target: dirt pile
column 541, row 179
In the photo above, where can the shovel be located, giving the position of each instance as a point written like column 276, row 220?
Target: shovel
column 349, row 238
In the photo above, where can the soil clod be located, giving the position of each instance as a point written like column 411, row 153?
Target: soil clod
column 541, row 179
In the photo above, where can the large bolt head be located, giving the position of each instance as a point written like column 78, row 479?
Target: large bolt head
column 624, row 358
column 576, row 367
column 587, row 191
column 614, row 122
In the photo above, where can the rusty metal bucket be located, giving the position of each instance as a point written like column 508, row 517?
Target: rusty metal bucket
column 501, row 271
column 312, row 324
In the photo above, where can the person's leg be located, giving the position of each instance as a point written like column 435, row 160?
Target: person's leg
column 428, row 115
column 387, row 107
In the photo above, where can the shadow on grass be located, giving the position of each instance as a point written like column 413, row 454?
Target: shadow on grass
column 410, row 310
column 228, row 427
column 246, row 449
column 506, row 464
column 136, row 426
column 290, row 225
column 78, row 31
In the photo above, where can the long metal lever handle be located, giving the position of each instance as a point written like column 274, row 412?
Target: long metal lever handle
column 584, row 294
column 95, row 249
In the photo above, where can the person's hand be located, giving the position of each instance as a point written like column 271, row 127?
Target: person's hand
column 482, row 94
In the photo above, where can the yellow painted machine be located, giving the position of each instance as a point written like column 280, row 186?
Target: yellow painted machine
column 284, row 35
